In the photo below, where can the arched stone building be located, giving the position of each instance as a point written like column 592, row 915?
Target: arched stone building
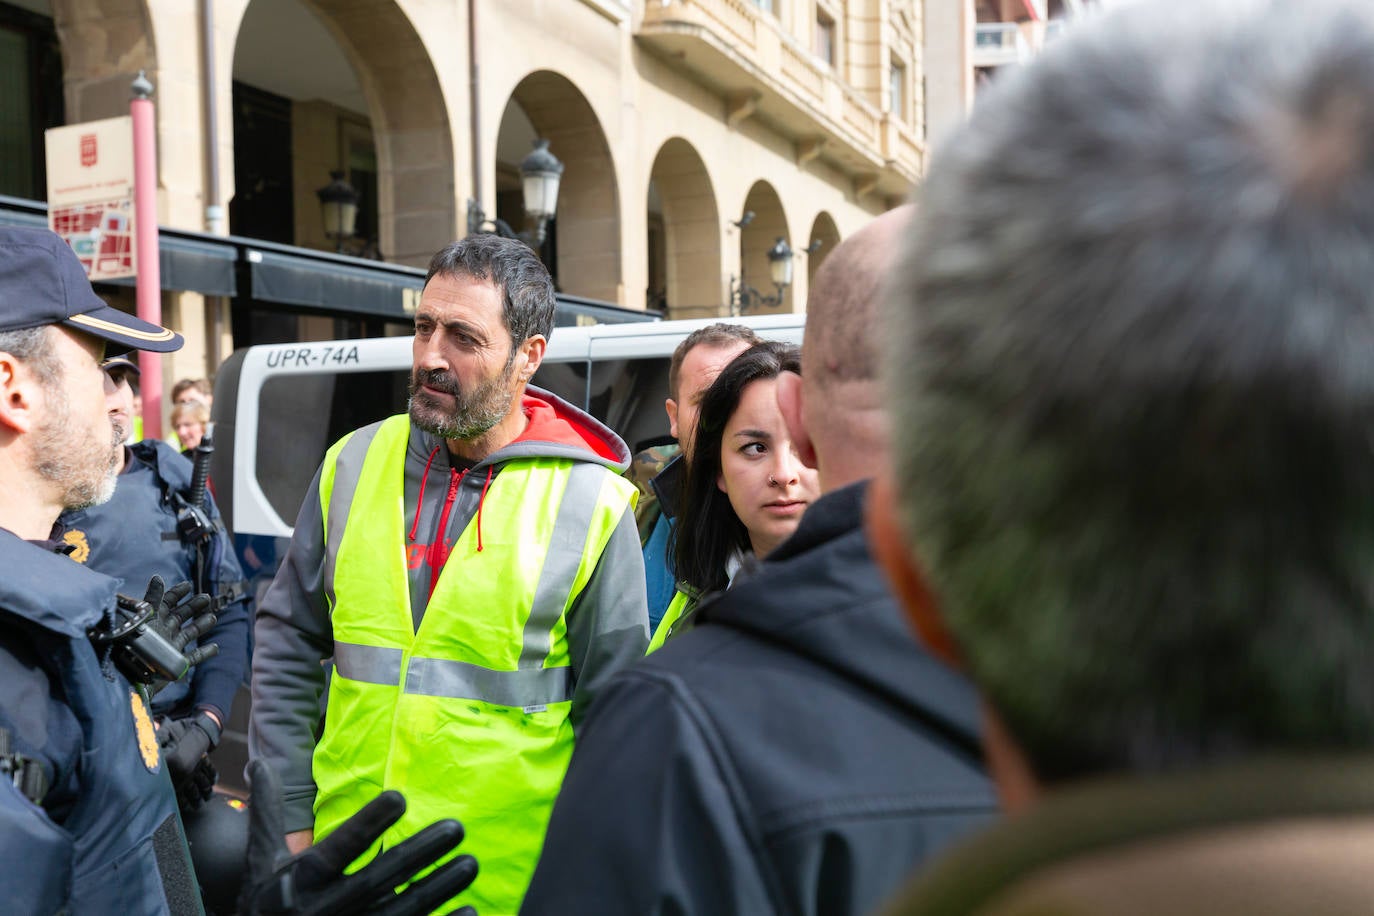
column 672, row 118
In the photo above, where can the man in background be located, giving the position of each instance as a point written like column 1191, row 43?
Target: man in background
column 152, row 526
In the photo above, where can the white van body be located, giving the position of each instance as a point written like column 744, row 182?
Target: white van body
column 279, row 407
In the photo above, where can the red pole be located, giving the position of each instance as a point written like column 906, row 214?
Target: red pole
column 148, row 282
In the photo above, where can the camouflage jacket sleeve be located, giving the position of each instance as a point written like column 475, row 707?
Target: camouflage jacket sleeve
column 644, row 467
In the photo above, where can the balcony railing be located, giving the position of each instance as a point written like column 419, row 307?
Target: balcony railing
column 752, row 51
column 997, row 43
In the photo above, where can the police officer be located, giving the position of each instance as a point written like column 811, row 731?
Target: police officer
column 88, row 820
column 88, row 810
column 153, row 526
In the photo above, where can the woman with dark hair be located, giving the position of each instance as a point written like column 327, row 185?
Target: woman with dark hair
column 746, row 488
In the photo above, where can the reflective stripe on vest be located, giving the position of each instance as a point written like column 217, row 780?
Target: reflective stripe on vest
column 468, row 715
column 437, row 677
column 679, row 606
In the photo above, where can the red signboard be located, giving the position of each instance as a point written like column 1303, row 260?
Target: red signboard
column 88, row 150
column 91, row 191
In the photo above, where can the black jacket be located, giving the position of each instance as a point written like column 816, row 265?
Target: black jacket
column 797, row 752
column 105, row 837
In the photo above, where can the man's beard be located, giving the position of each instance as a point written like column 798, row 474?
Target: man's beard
column 85, row 471
column 471, row 415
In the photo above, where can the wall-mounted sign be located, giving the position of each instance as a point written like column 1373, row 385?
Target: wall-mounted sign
column 91, row 193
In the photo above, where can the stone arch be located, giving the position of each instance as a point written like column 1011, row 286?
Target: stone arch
column 417, row 204
column 692, row 229
column 585, row 238
column 768, row 225
column 104, row 45
column 824, row 238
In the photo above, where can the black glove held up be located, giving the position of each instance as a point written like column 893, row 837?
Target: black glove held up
column 149, row 637
column 313, row 883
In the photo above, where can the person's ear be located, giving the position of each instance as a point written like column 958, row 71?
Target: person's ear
column 532, row 350
column 18, row 393
column 670, row 407
column 890, row 549
column 790, row 397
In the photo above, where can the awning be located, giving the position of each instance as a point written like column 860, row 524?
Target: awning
column 386, row 291
column 185, row 263
column 285, row 274
column 192, row 264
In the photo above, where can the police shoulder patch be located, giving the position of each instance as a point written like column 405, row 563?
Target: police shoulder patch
column 81, row 548
column 147, row 735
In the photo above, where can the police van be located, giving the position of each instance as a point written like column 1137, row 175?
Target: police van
column 279, row 407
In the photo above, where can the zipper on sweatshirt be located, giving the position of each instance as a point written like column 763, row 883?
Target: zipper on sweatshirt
column 440, row 555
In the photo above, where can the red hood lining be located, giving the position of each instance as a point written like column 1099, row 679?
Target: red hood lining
column 547, row 425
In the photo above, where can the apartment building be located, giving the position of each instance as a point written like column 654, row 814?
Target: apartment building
column 693, row 135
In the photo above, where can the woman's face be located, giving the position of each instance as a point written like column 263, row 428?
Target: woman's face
column 189, row 432
column 768, row 486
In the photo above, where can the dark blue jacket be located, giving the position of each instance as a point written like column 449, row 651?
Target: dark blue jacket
column 797, row 752
column 105, row 836
column 133, row 537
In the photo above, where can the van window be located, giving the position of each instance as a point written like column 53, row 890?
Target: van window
column 301, row 415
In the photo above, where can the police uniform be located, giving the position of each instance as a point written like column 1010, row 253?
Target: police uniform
column 134, row 537
column 98, row 832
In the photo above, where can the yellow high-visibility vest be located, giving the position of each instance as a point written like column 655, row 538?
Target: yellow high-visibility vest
column 681, row 604
column 468, row 716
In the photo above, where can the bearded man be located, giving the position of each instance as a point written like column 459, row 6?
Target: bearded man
column 474, row 571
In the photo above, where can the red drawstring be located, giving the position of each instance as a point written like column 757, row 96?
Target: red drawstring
column 421, row 501
column 480, row 500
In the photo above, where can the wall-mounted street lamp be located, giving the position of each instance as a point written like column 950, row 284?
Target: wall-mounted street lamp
column 744, row 297
column 339, row 208
column 540, row 175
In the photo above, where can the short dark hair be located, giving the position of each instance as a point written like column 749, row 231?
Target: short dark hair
column 708, row 531
column 527, row 294
column 1129, row 375
column 719, row 334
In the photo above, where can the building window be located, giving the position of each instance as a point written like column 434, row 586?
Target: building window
column 825, row 36
column 896, row 89
column 768, row 6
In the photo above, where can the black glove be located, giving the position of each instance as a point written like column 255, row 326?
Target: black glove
column 150, row 643
column 184, row 743
column 313, row 883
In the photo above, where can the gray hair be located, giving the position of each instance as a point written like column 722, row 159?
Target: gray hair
column 35, row 347
column 1131, row 363
column 527, row 293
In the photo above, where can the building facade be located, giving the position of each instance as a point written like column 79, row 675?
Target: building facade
column 967, row 42
column 674, row 120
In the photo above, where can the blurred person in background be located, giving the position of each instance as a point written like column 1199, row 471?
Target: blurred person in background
column 194, row 389
column 189, row 420
column 190, row 391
